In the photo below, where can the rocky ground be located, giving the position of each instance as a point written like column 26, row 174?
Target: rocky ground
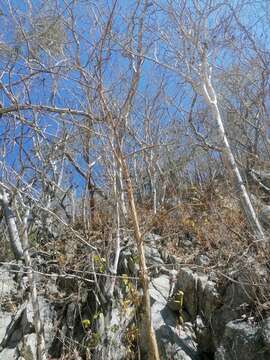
column 198, row 311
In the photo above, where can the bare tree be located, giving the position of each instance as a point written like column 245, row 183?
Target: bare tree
column 110, row 111
column 193, row 59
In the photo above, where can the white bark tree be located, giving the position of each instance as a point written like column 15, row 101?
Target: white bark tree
column 10, row 218
column 194, row 47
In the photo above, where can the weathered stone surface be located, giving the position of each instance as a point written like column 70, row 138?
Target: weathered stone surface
column 48, row 317
column 203, row 337
column 200, row 294
column 9, row 354
column 21, row 325
column 175, row 342
column 187, row 281
column 208, row 297
column 153, row 239
column 28, row 347
column 14, row 330
column 164, row 254
column 210, row 326
column 8, row 287
column 266, row 333
column 152, row 255
column 202, row 260
column 128, row 262
column 5, row 319
column 110, row 342
column 241, row 341
column 7, row 284
column 187, row 243
column 219, row 320
column 159, row 289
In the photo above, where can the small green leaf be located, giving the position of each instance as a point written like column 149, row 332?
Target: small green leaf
column 86, row 324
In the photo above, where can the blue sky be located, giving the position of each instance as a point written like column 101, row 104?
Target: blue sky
column 72, row 95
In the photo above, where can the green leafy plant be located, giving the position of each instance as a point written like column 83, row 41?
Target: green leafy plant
column 100, row 263
column 179, row 300
column 86, row 323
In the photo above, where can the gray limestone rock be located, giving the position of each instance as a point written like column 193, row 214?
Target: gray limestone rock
column 187, row 281
column 209, row 298
column 202, row 260
column 242, row 340
column 27, row 347
column 110, row 333
column 9, row 354
column 203, row 337
column 152, row 255
column 220, row 318
column 175, row 341
column 159, row 289
column 5, row 319
column 266, row 332
column 7, row 284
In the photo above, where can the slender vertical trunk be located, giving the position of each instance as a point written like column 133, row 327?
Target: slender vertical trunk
column 164, row 182
column 13, row 233
column 154, row 190
column 137, row 182
column 117, row 237
column 211, row 98
column 152, row 341
column 73, row 207
column 85, row 207
column 92, row 203
column 122, row 193
column 41, row 355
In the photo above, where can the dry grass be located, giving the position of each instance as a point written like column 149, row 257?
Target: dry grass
column 209, row 221
column 212, row 223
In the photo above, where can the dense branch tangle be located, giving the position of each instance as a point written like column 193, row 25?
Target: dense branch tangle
column 110, row 112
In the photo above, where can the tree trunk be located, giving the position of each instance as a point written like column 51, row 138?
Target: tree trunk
column 152, row 341
column 122, row 193
column 211, row 98
column 92, row 203
column 41, row 354
column 13, row 233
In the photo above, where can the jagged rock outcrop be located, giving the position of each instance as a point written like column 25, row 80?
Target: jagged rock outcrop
column 175, row 341
column 17, row 334
column 219, row 313
column 242, row 340
column 212, row 322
